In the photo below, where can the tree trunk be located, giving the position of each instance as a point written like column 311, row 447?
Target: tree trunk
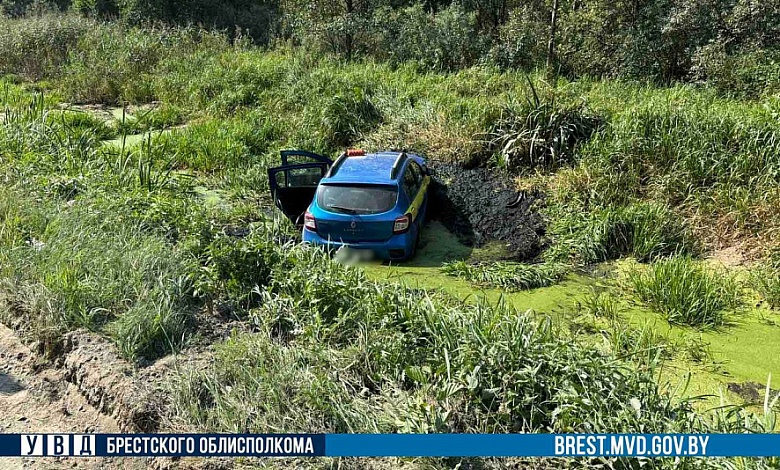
column 551, row 42
column 348, row 35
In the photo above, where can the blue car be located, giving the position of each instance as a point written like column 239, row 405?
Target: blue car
column 375, row 202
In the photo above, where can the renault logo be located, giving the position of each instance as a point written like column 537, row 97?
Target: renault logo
column 353, row 224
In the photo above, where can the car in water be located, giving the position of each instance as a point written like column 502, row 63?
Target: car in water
column 373, row 202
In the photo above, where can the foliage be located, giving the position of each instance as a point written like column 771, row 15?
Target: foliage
column 41, row 46
column 82, row 271
column 132, row 239
column 687, row 292
column 155, row 118
column 644, row 230
column 751, row 73
column 509, row 276
column 444, row 41
column 115, row 63
column 731, row 43
column 766, row 279
column 233, row 267
column 436, row 367
column 601, row 304
column 346, row 117
column 539, row 133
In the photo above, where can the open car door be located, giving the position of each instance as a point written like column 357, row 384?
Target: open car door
column 294, row 184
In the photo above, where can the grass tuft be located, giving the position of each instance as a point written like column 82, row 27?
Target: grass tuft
column 540, row 133
column 687, row 292
column 508, row 276
column 643, row 230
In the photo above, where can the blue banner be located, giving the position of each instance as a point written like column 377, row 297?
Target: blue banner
column 391, row 445
column 553, row 445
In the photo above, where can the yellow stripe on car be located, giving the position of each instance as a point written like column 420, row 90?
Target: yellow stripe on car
column 414, row 208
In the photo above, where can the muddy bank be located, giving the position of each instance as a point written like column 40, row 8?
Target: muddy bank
column 482, row 206
column 37, row 398
column 111, row 384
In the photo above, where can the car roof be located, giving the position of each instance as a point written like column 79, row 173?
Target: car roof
column 372, row 168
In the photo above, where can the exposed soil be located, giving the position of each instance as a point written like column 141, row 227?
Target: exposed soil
column 110, row 384
column 482, row 206
column 89, row 388
column 34, row 399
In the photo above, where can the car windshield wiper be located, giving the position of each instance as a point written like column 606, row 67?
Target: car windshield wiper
column 344, row 209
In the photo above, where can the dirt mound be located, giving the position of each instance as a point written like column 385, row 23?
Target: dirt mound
column 483, row 206
column 109, row 383
column 36, row 398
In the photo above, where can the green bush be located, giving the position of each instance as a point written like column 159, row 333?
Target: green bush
column 749, row 73
column 238, row 17
column 519, row 46
column 687, row 292
column 444, row 41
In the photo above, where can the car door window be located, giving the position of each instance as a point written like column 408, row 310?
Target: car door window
column 413, row 179
column 297, row 157
column 410, row 184
column 299, row 177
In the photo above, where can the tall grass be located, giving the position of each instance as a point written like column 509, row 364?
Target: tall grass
column 96, row 237
column 406, row 361
column 541, row 133
column 687, row 292
column 85, row 271
column 505, row 275
column 156, row 118
column 713, row 160
column 766, row 281
column 643, row 230
column 38, row 47
column 765, row 278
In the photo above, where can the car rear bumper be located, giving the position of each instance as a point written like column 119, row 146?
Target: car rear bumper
column 396, row 248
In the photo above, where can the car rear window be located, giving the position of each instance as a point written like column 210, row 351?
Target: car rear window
column 357, row 199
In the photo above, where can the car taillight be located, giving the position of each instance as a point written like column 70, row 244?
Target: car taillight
column 309, row 222
column 402, row 224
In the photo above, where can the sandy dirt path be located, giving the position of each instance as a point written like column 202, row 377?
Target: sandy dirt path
column 36, row 399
